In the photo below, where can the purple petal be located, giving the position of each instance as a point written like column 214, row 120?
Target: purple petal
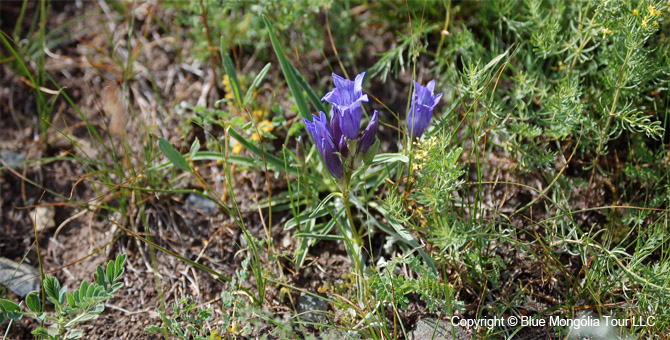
column 332, row 160
column 431, row 86
column 331, row 97
column 350, row 120
column 369, row 134
column 343, row 147
column 358, row 84
column 335, row 129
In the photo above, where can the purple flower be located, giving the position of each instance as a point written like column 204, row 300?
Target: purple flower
column 423, row 102
column 335, row 138
column 368, row 137
column 324, row 142
column 346, row 99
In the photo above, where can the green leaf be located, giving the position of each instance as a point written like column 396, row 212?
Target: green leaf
column 70, row 300
column 75, row 334
column 286, row 67
column 232, row 76
column 41, row 331
column 9, row 309
column 101, row 277
column 115, row 287
column 173, row 155
column 195, row 147
column 120, row 265
column 154, row 329
column 110, row 271
column 372, row 152
column 275, row 161
column 61, row 294
column 256, row 83
column 390, row 158
column 311, row 95
column 33, row 301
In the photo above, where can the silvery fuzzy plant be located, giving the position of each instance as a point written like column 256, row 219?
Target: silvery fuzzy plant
column 70, row 309
column 343, row 147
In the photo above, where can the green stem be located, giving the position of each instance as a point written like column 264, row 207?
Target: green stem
column 357, row 248
column 604, row 137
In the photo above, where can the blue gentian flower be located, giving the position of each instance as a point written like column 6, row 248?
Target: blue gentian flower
column 324, row 142
column 346, row 99
column 421, row 111
column 334, row 140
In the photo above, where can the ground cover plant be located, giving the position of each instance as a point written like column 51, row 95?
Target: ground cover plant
column 350, row 169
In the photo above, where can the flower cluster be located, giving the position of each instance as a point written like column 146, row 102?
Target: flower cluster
column 340, row 142
column 424, row 101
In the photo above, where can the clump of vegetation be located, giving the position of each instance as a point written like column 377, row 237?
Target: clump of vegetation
column 70, row 309
column 478, row 160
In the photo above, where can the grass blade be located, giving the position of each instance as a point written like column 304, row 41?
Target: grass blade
column 173, row 155
column 287, row 68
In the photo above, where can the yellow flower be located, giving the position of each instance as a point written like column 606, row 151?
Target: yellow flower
column 653, row 11
column 645, row 21
column 607, row 31
column 635, row 12
column 257, row 114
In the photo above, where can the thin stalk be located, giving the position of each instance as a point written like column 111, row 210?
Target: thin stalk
column 602, row 138
column 356, row 249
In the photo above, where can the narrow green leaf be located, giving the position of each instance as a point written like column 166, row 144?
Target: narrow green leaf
column 173, row 155
column 389, row 158
column 372, row 152
column 286, row 67
column 232, row 77
column 311, row 95
column 323, row 202
column 275, row 161
column 195, row 147
column 256, row 83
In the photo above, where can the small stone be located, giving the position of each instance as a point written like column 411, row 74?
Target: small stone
column 43, row 217
column 312, row 309
column 20, row 279
column 425, row 327
column 201, row 204
column 11, row 158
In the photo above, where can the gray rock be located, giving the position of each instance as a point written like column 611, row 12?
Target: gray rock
column 11, row 157
column 201, row 204
column 312, row 309
column 19, row 281
column 425, row 327
column 43, row 217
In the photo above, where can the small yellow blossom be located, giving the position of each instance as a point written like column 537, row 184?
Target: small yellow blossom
column 655, row 22
column 263, row 127
column 645, row 21
column 653, row 11
column 607, row 31
column 635, row 12
column 257, row 114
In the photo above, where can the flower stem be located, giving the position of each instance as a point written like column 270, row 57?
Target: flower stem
column 356, row 248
